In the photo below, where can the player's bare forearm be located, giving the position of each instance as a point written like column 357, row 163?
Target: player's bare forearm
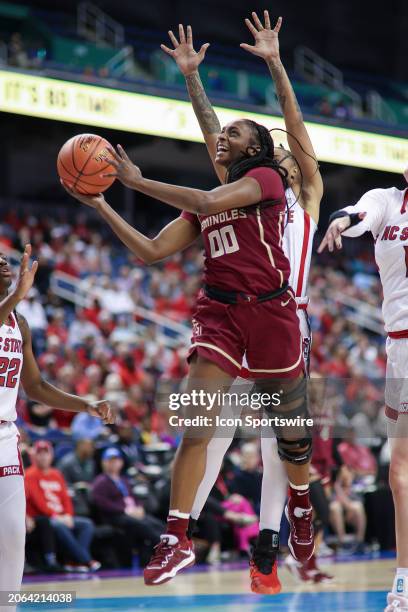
column 7, row 306
column 206, row 117
column 45, row 393
column 241, row 193
column 173, row 238
column 285, row 93
column 140, row 245
column 203, row 109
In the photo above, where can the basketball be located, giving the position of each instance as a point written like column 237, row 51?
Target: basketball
column 81, row 162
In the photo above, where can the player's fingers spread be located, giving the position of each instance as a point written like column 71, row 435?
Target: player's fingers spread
column 267, row 20
column 114, row 154
column 167, row 49
column 189, row 35
column 257, row 21
column 278, row 25
column 123, row 153
column 204, row 49
column 322, row 245
column 182, row 35
column 246, row 47
column 109, row 174
column 251, row 27
column 34, row 267
column 338, row 242
column 173, row 39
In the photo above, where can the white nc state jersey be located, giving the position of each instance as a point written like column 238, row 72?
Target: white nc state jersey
column 387, row 219
column 297, row 245
column 11, row 362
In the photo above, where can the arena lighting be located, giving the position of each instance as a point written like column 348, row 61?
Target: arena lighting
column 103, row 107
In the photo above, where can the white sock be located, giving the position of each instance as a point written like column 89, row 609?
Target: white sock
column 304, row 487
column 400, row 586
column 274, row 486
column 178, row 514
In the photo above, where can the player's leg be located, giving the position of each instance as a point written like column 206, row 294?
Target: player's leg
column 396, row 393
column 397, row 435
column 12, row 534
column 175, row 549
column 275, row 358
column 263, row 567
column 216, row 450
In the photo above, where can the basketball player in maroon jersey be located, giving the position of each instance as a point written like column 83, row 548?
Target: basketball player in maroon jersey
column 304, row 193
column 246, row 306
column 17, row 363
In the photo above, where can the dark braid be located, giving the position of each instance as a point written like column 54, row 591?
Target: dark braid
column 265, row 156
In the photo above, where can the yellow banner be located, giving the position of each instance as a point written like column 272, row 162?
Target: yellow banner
column 145, row 114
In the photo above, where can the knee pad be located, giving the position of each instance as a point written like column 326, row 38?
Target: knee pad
column 297, row 451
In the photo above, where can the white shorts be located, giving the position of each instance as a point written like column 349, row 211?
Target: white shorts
column 10, row 458
column 396, row 385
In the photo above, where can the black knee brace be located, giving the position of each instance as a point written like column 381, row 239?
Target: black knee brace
column 298, row 451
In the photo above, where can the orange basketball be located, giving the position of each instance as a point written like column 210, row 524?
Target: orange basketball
column 81, row 162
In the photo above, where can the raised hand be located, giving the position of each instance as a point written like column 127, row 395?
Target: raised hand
column 103, row 410
column 26, row 274
column 126, row 171
column 266, row 40
column 94, row 201
column 186, row 58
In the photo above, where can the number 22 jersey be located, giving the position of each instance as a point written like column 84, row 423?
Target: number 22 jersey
column 11, row 361
column 243, row 246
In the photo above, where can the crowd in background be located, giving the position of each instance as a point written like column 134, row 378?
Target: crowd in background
column 114, row 480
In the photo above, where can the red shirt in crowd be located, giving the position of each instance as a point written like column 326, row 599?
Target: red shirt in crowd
column 46, row 493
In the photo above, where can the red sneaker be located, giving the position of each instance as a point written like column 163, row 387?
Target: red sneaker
column 301, row 539
column 264, row 580
column 298, row 570
column 171, row 555
column 316, row 573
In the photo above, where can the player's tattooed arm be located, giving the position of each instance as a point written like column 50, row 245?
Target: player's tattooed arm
column 42, row 391
column 188, row 61
column 266, row 46
column 203, row 109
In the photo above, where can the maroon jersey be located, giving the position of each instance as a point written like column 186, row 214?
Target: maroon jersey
column 243, row 246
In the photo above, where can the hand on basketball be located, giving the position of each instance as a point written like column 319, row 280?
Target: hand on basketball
column 126, row 171
column 266, row 40
column 333, row 234
column 94, row 201
column 184, row 54
column 26, row 274
column 103, row 410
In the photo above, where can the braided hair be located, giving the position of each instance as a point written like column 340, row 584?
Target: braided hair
column 264, row 157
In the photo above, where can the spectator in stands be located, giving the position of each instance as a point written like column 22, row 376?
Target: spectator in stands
column 47, row 495
column 85, row 425
column 342, row 110
column 32, row 309
column 41, row 545
column 357, row 457
column 78, row 469
column 17, row 54
column 81, row 329
column 40, row 418
column 119, row 508
column 347, row 508
column 247, row 480
column 325, row 108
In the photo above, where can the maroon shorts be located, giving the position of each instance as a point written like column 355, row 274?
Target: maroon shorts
column 268, row 333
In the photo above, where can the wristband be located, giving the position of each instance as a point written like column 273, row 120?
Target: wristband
column 355, row 218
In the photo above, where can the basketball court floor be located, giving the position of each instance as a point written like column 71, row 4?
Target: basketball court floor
column 360, row 586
